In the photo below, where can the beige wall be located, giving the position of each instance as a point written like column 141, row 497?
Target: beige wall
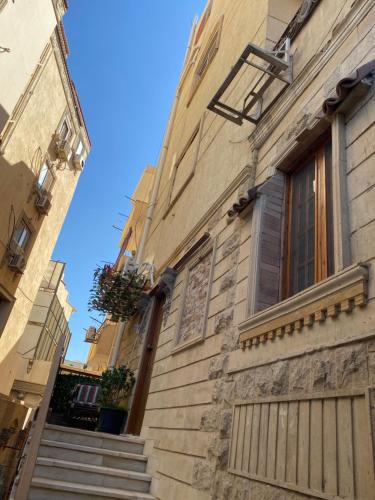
column 99, row 354
column 25, row 27
column 193, row 390
column 27, row 138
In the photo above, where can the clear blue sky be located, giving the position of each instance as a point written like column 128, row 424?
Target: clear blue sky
column 125, row 59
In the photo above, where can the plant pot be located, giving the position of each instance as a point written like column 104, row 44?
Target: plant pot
column 112, row 420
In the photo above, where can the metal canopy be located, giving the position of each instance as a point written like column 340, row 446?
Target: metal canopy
column 278, row 67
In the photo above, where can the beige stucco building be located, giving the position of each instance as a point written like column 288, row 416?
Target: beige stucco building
column 101, row 346
column 48, row 321
column 44, row 145
column 259, row 361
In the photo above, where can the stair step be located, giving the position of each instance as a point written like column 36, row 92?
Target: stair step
column 125, row 443
column 52, row 468
column 47, row 489
column 93, row 456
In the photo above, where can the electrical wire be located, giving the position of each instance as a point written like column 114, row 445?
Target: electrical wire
column 330, row 28
column 11, row 233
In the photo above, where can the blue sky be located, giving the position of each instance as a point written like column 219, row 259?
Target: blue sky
column 125, row 59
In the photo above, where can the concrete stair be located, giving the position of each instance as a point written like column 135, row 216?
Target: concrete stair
column 81, row 465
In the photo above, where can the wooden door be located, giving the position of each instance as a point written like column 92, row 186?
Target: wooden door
column 142, row 387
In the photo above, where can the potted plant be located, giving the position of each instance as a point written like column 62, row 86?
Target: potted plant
column 116, row 293
column 115, row 387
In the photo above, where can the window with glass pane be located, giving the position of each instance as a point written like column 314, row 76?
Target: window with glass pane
column 79, row 148
column 310, row 235
column 22, row 234
column 45, row 178
column 64, row 131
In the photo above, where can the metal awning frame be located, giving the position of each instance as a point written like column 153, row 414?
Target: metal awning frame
column 279, row 68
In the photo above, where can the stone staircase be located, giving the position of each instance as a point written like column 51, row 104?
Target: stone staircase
column 77, row 464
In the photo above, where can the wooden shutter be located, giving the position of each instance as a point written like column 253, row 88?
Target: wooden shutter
column 266, row 243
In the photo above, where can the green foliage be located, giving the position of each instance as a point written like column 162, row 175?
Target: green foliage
column 116, row 293
column 116, row 385
column 64, row 386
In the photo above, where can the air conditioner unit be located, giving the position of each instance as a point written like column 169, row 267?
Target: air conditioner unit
column 78, row 162
column 131, row 266
column 17, row 262
column 63, row 150
column 91, row 335
column 43, row 202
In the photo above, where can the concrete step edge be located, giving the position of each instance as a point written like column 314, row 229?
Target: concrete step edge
column 91, row 449
column 52, row 484
column 105, row 435
column 97, row 469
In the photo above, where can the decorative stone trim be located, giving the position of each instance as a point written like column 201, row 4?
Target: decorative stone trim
column 60, row 7
column 339, row 293
column 28, row 387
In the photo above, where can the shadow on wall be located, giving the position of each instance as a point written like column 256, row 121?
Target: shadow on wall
column 16, row 204
column 4, row 115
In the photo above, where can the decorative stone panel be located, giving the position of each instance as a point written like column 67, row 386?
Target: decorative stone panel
column 194, row 305
column 317, row 444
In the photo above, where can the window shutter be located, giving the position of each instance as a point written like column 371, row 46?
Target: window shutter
column 266, row 244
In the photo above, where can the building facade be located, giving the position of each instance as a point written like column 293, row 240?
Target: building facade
column 258, row 362
column 44, row 144
column 101, row 341
column 112, row 341
column 47, row 322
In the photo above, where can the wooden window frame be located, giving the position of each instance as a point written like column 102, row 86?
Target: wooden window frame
column 342, row 260
column 321, row 249
column 25, row 246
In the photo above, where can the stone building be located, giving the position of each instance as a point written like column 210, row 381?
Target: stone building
column 43, row 148
column 256, row 366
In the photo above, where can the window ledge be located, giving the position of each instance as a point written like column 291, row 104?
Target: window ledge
column 339, row 293
column 189, row 343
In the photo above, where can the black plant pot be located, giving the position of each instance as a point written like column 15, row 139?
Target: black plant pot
column 112, row 420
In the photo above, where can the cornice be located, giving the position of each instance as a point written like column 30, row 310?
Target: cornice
column 340, row 293
column 70, row 91
column 60, row 7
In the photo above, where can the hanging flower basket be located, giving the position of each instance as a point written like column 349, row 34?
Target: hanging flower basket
column 116, row 293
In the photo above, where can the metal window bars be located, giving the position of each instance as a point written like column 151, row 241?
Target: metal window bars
column 279, row 67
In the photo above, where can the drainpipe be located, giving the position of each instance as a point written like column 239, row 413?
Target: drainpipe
column 154, row 196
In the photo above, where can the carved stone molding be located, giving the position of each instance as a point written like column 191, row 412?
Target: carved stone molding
column 338, row 294
column 60, row 7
